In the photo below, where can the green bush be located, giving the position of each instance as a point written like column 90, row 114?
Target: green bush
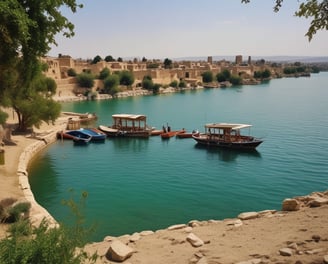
column 45, row 244
column 71, row 72
column 85, row 80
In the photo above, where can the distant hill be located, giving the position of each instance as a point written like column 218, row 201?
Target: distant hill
column 304, row 59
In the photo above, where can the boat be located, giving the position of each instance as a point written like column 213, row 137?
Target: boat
column 127, row 125
column 227, row 135
column 96, row 135
column 78, row 136
column 82, row 139
column 168, row 134
column 185, row 134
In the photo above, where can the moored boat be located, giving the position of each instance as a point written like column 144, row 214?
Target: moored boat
column 227, row 135
column 185, row 134
column 127, row 125
column 96, row 135
column 169, row 134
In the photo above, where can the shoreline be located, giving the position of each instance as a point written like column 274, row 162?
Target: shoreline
column 244, row 238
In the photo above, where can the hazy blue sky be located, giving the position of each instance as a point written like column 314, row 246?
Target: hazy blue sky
column 180, row 28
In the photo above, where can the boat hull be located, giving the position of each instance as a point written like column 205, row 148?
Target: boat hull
column 249, row 144
column 112, row 132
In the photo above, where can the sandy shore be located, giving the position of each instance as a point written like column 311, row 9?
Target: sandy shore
column 260, row 237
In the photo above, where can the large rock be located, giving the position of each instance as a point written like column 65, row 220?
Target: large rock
column 118, row 251
column 248, row 215
column 194, row 240
column 290, row 205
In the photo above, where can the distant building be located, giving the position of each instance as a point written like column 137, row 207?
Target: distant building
column 239, row 59
column 210, row 59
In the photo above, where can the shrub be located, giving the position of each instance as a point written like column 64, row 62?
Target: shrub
column 43, row 244
column 85, row 80
column 71, row 72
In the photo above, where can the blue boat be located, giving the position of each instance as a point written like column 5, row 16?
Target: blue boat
column 96, row 135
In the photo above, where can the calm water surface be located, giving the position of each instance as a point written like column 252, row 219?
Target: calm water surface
column 149, row 184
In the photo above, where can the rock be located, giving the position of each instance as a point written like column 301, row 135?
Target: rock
column 194, row 240
column 146, row 233
column 316, row 238
column 174, row 227
column 235, row 222
column 134, row 237
column 248, row 215
column 118, row 251
column 325, row 259
column 285, row 252
column 290, row 205
column 318, row 201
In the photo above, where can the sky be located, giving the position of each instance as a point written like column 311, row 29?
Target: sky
column 158, row 29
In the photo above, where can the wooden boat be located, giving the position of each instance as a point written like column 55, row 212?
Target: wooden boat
column 96, row 135
column 127, row 125
column 169, row 134
column 156, row 132
column 78, row 136
column 83, row 133
column 185, row 134
column 82, row 139
column 226, row 135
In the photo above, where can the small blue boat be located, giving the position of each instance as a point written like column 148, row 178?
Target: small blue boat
column 96, row 135
column 79, row 138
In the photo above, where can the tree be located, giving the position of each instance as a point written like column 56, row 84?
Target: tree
column 235, row 80
column 71, row 72
column 147, row 82
column 31, row 98
column 104, row 73
column 167, row 63
column 28, row 29
column 85, row 80
column 109, row 58
column 207, row 76
column 126, row 78
column 316, row 10
column 111, row 84
column 119, row 59
column 223, row 76
column 174, row 84
column 96, row 59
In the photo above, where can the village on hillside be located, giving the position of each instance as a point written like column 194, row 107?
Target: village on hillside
column 167, row 73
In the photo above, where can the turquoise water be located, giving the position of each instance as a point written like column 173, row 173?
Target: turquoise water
column 149, row 184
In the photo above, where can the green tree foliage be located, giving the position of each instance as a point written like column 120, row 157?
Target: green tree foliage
column 104, row 73
column 126, row 78
column 223, row 76
column 109, row 58
column 147, row 83
column 96, row 59
column 262, row 74
column 182, row 84
column 31, row 98
column 152, row 65
column 207, row 76
column 27, row 31
column 85, row 80
column 45, row 244
column 111, row 84
column 235, row 80
column 119, row 59
column 167, row 63
column 71, row 72
column 174, row 84
column 316, row 10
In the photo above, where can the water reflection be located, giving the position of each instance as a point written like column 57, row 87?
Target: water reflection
column 228, row 155
column 136, row 144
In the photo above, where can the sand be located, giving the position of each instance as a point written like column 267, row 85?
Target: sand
column 266, row 238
